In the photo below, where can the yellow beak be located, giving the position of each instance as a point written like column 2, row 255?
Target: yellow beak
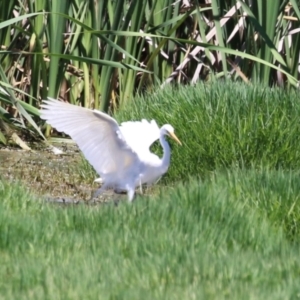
column 174, row 137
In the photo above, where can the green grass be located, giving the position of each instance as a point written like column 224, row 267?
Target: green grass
column 225, row 125
column 224, row 238
column 223, row 223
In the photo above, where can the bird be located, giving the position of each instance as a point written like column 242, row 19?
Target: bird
column 120, row 154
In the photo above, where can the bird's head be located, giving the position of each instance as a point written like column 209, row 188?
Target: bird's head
column 168, row 129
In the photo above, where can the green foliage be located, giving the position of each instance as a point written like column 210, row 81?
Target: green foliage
column 100, row 54
column 275, row 194
column 222, row 238
column 224, row 125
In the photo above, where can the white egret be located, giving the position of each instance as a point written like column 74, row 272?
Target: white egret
column 119, row 154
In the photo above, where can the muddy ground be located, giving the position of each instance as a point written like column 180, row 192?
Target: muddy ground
column 63, row 178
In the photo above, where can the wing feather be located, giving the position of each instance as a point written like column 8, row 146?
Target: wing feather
column 140, row 135
column 98, row 137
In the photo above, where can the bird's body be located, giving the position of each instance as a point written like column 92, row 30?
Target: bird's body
column 119, row 154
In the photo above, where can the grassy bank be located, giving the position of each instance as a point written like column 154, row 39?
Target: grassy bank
column 224, row 225
column 225, row 125
column 222, row 238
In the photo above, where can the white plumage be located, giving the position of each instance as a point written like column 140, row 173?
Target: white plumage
column 119, row 154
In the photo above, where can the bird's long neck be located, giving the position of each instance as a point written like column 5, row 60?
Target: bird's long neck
column 167, row 152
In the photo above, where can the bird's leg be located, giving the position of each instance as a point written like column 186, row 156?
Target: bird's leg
column 130, row 192
column 141, row 188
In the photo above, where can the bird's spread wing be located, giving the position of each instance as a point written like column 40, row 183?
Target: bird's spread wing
column 140, row 135
column 97, row 135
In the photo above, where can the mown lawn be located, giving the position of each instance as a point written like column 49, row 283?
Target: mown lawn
column 223, row 224
column 222, row 238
